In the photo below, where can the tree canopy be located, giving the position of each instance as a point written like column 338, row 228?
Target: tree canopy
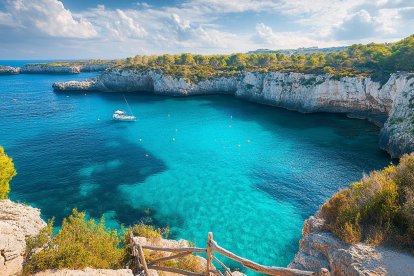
column 375, row 60
column 7, row 172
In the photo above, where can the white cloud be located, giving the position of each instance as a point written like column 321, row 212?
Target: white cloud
column 364, row 25
column 202, row 26
column 359, row 25
column 180, row 23
column 48, row 17
column 235, row 6
column 6, row 19
column 284, row 40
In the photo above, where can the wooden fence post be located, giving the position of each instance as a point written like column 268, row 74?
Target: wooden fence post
column 209, row 253
column 144, row 262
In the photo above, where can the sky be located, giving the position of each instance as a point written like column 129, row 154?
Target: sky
column 80, row 29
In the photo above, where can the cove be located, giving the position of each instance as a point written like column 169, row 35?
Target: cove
column 249, row 173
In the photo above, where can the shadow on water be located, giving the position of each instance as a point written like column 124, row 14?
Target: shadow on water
column 82, row 168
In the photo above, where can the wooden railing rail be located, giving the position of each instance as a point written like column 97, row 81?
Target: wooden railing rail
column 212, row 247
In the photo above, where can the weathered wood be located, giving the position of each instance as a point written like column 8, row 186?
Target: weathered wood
column 180, row 255
column 271, row 270
column 175, row 270
column 217, row 272
column 134, row 252
column 222, row 264
column 182, row 249
column 142, row 256
column 209, row 253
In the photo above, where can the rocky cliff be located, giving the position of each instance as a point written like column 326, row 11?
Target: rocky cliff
column 44, row 68
column 8, row 70
column 320, row 249
column 17, row 222
column 295, row 91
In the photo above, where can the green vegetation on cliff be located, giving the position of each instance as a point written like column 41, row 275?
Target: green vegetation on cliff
column 379, row 209
column 80, row 243
column 376, row 60
column 7, row 172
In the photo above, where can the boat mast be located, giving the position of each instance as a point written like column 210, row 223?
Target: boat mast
column 130, row 110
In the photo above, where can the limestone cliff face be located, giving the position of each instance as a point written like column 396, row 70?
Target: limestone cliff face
column 295, row 91
column 17, row 222
column 320, row 249
column 8, row 70
column 311, row 93
column 45, row 69
column 397, row 135
column 49, row 69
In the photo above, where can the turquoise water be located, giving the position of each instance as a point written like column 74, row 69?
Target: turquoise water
column 249, row 173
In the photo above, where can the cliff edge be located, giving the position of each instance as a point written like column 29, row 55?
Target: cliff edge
column 318, row 248
column 17, row 222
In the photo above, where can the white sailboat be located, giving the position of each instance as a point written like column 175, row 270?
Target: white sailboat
column 121, row 115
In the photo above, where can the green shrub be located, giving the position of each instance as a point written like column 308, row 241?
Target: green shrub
column 378, row 209
column 149, row 231
column 80, row 243
column 7, row 172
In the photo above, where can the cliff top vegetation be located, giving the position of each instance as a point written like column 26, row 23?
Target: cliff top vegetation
column 375, row 60
column 379, row 209
column 7, row 172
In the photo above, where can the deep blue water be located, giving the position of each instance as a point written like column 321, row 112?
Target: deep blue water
column 249, row 173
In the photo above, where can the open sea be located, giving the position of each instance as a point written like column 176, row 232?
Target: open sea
column 249, row 173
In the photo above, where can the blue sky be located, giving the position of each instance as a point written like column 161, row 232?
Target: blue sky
column 53, row 29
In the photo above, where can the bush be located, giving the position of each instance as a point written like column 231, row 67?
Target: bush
column 7, row 172
column 149, row 231
column 378, row 209
column 80, row 243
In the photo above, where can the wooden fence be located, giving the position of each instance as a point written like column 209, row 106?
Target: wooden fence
column 212, row 247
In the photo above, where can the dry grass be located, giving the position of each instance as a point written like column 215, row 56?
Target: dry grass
column 379, row 209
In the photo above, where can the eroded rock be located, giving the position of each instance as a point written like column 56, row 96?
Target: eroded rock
column 17, row 222
column 319, row 249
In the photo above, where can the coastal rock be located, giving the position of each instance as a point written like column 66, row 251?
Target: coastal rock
column 87, row 272
column 314, row 93
column 397, row 135
column 47, row 69
column 361, row 97
column 321, row 249
column 17, row 222
column 94, row 67
column 75, row 85
column 8, row 70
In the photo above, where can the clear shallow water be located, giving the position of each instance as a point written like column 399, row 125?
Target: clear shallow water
column 249, row 173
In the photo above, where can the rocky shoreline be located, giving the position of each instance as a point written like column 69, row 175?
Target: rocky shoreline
column 8, row 70
column 318, row 248
column 52, row 69
column 357, row 96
